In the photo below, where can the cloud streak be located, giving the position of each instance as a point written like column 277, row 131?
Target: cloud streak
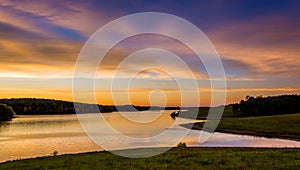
column 259, row 47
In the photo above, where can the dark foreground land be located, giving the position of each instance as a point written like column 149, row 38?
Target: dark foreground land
column 176, row 158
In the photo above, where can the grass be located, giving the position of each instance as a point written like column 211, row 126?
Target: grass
column 280, row 126
column 176, row 158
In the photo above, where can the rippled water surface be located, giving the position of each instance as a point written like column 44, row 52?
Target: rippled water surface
column 32, row 136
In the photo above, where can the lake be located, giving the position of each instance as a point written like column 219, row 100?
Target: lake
column 41, row 135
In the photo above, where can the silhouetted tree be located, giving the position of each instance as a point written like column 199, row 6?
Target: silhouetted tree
column 236, row 109
column 6, row 112
column 271, row 105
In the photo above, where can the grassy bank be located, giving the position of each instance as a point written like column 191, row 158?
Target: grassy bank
column 280, row 126
column 177, row 158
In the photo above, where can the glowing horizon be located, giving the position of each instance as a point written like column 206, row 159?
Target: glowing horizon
column 39, row 45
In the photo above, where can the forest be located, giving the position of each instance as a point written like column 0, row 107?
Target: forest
column 265, row 106
column 250, row 106
column 33, row 106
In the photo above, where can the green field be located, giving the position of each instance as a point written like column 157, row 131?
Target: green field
column 177, row 158
column 280, row 126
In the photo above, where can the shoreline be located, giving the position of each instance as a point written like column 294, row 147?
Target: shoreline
column 276, row 126
column 293, row 137
column 175, row 158
column 151, row 148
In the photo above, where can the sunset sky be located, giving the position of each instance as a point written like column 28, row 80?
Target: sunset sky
column 257, row 41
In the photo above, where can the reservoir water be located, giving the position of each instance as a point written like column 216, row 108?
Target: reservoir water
column 41, row 135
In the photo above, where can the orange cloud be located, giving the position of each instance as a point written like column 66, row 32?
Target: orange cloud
column 34, row 45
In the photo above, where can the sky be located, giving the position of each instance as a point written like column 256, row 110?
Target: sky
column 258, row 43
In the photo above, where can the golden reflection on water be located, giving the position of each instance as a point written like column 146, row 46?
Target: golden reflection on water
column 39, row 135
column 32, row 136
column 128, row 123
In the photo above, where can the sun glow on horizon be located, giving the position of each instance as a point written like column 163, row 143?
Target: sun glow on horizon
column 39, row 46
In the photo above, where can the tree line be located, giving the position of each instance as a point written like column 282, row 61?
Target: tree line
column 264, row 106
column 33, row 106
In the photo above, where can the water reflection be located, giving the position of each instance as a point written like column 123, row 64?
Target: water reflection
column 32, row 136
column 136, row 125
